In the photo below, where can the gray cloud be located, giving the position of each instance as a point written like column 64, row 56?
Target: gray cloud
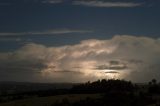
column 52, row 1
column 112, row 72
column 48, row 32
column 68, row 71
column 135, row 61
column 88, row 3
column 10, row 39
column 97, row 3
column 111, row 67
column 133, row 58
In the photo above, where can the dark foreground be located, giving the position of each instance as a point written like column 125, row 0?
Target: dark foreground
column 98, row 93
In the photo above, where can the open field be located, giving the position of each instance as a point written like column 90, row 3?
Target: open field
column 49, row 101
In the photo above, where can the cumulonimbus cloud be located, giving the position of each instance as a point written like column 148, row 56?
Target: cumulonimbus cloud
column 124, row 56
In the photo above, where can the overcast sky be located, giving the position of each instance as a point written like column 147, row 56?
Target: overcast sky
column 79, row 40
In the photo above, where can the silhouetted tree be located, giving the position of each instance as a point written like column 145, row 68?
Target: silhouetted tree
column 154, row 81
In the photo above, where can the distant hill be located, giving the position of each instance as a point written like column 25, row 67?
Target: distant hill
column 10, row 87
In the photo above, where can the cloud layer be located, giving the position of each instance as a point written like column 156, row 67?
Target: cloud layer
column 97, row 3
column 128, row 57
column 89, row 3
column 47, row 32
column 52, row 1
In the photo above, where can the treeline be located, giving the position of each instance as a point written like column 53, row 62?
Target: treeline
column 117, row 93
column 114, row 93
column 102, row 86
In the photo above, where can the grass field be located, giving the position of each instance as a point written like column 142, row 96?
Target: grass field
column 49, row 101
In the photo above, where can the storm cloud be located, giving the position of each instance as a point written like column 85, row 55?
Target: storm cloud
column 133, row 58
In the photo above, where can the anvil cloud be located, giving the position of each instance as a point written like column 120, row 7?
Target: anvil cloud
column 132, row 58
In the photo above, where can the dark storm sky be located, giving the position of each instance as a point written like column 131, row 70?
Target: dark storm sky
column 141, row 18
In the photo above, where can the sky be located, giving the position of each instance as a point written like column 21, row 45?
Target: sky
column 79, row 40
